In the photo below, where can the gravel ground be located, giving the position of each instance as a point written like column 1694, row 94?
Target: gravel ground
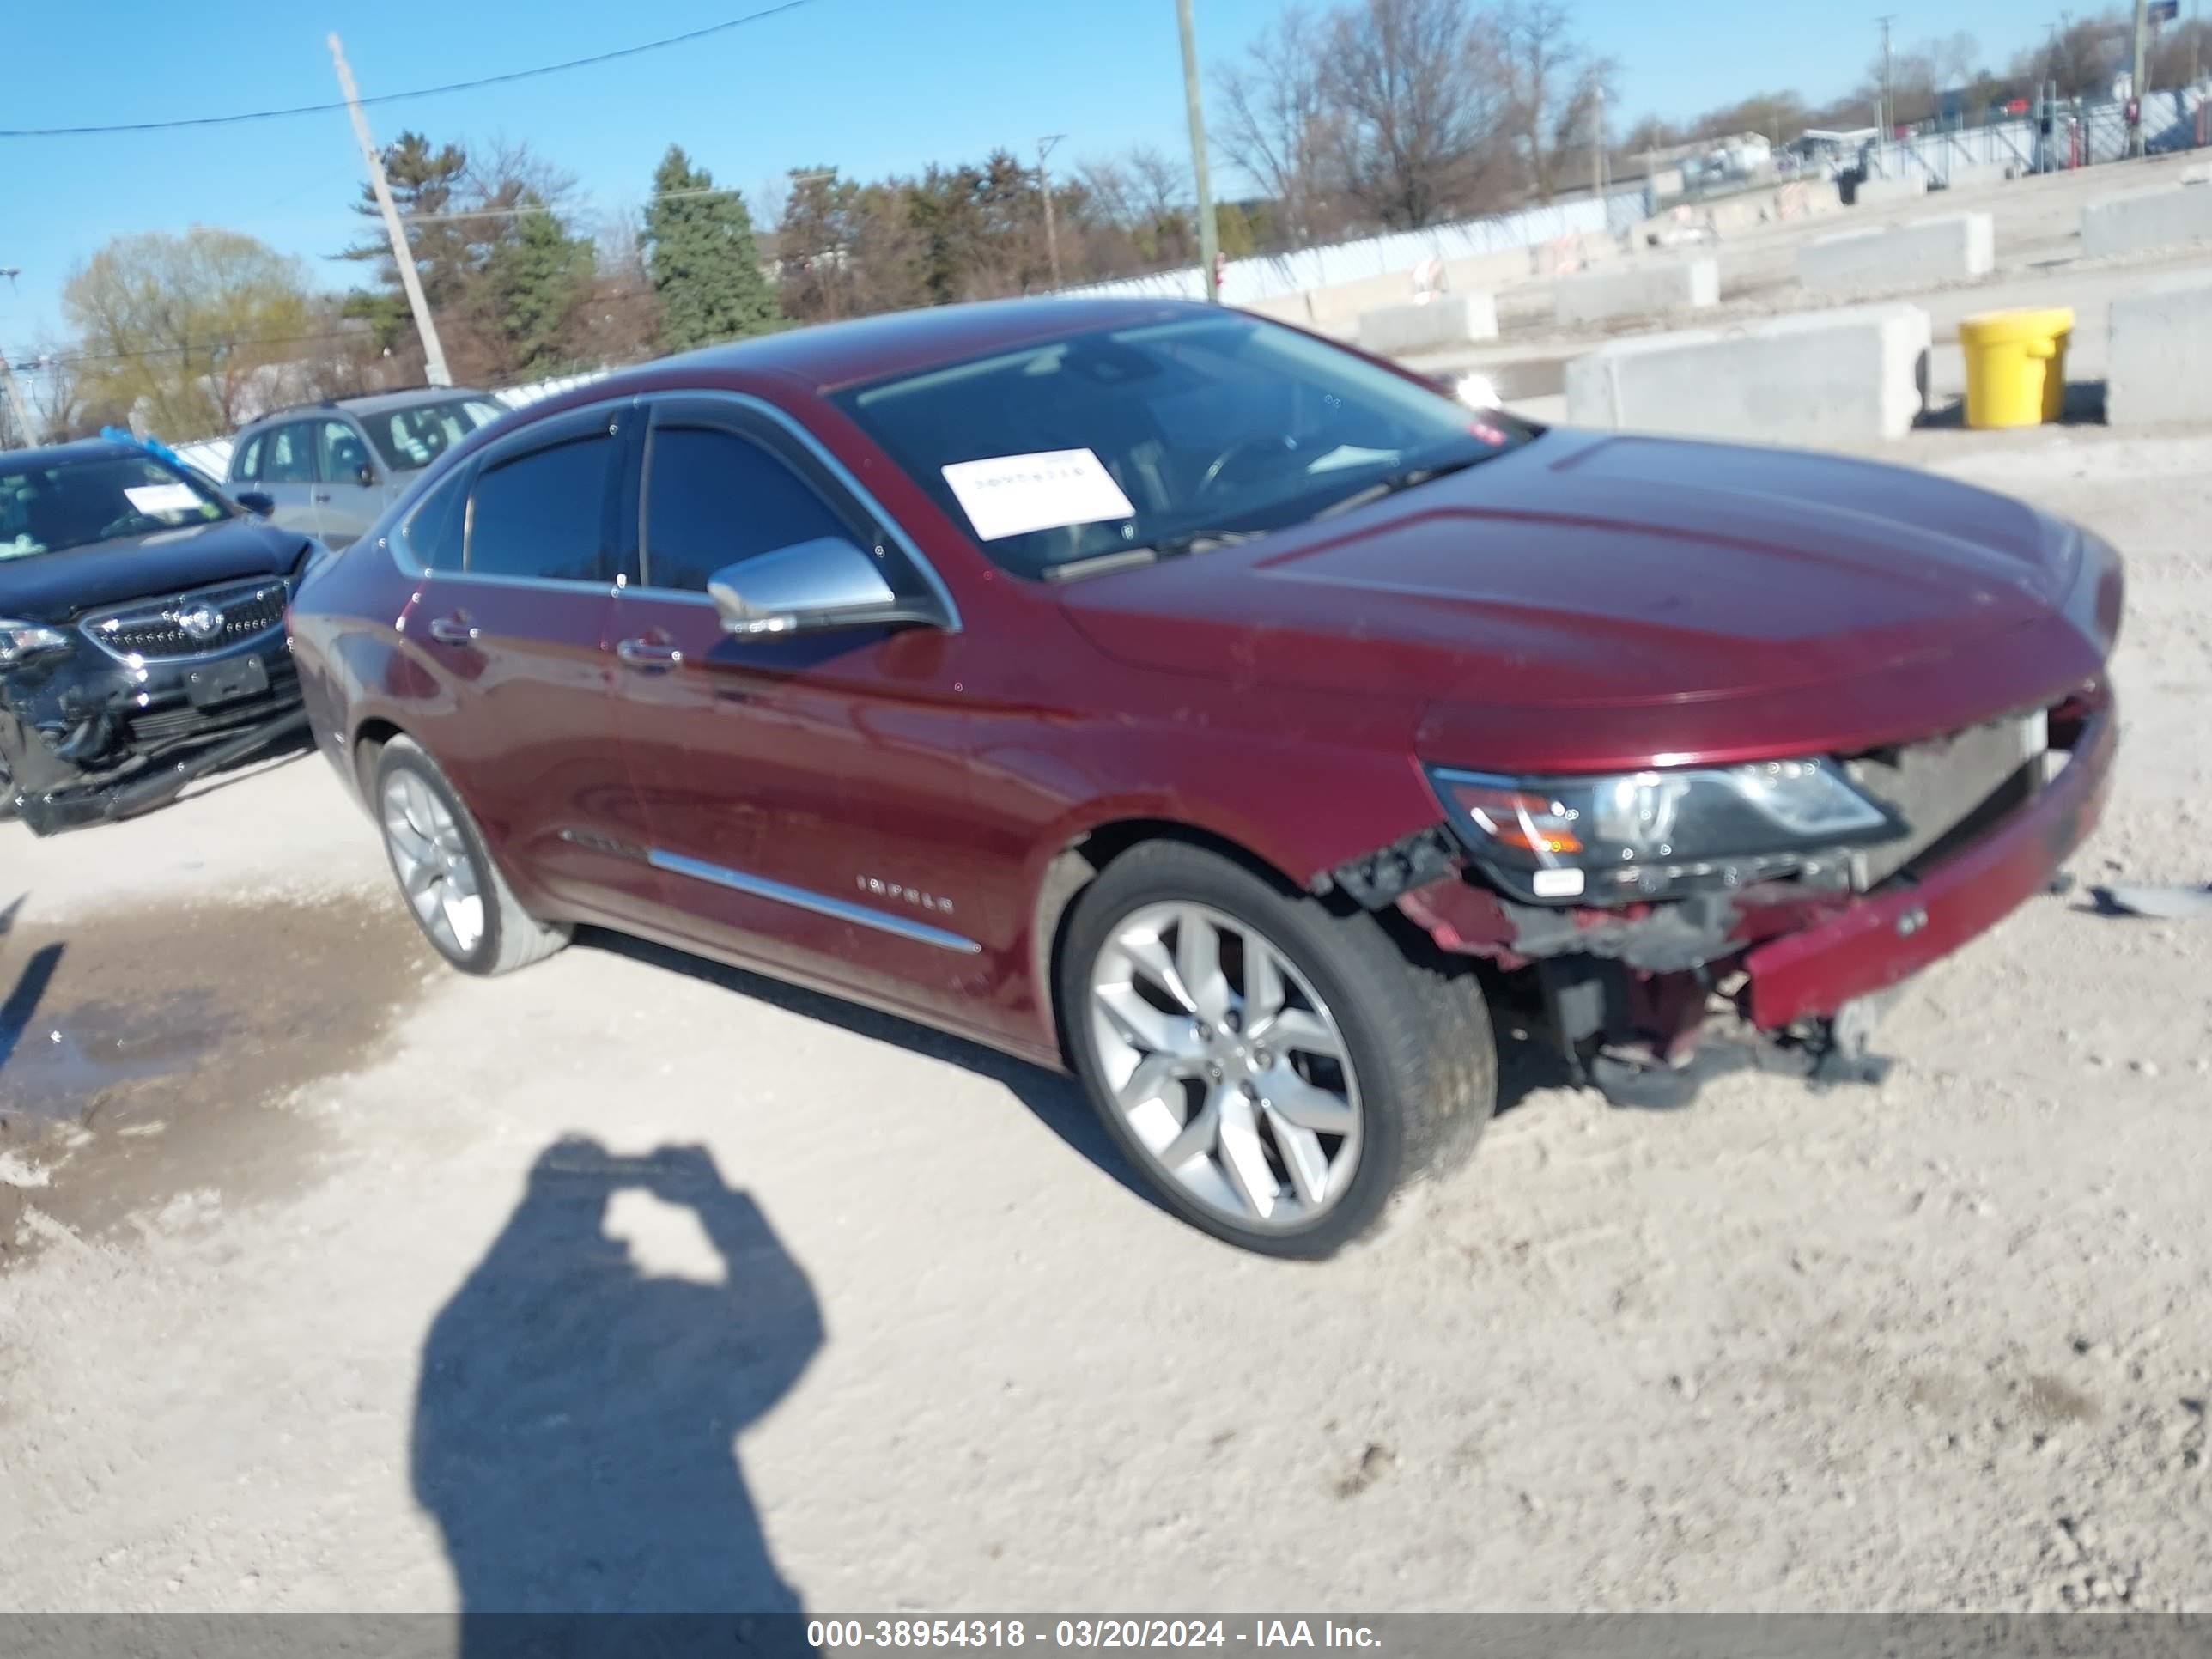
column 330, row 1280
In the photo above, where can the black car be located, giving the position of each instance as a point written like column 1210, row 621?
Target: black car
column 142, row 631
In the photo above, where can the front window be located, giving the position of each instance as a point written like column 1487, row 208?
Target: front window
column 1115, row 446
column 415, row 436
column 104, row 498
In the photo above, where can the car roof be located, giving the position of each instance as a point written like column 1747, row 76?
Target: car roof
column 83, row 449
column 372, row 403
column 832, row 354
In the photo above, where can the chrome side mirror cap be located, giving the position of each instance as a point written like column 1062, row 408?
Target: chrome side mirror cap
column 808, row 588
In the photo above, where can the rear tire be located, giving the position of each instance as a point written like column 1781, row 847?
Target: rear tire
column 448, row 878
column 1283, row 1132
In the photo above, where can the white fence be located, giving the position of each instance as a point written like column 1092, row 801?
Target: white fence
column 1269, row 277
column 2169, row 123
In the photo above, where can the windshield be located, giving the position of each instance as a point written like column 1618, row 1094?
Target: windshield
column 415, row 436
column 1162, row 437
column 101, row 498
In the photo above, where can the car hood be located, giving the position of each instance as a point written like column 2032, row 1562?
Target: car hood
column 1598, row 571
column 53, row 587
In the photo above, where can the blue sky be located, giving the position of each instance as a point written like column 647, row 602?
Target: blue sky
column 867, row 85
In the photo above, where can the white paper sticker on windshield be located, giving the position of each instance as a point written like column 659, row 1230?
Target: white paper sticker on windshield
column 154, row 499
column 1012, row 495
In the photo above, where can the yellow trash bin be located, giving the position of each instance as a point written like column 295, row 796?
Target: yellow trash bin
column 2016, row 366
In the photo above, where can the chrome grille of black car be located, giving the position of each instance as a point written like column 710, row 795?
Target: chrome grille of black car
column 1938, row 786
column 156, row 628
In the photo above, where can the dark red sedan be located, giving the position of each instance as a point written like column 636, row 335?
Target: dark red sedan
column 1230, row 718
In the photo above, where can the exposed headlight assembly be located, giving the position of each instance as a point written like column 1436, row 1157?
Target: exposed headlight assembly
column 1661, row 834
column 19, row 642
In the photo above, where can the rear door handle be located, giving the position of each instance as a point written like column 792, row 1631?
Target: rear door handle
column 320, row 494
column 649, row 654
column 456, row 630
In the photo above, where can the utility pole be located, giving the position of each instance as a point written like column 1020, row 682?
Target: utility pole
column 2135, row 79
column 1597, row 146
column 1208, row 236
column 1889, row 111
column 1044, row 183
column 15, row 400
column 434, row 354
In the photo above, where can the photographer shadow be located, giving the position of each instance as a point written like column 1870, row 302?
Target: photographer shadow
column 576, row 1418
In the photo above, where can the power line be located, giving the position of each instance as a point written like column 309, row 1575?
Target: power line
column 524, row 212
column 211, row 347
column 419, row 92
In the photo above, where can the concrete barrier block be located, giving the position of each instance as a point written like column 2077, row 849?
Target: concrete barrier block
column 2145, row 218
column 1858, row 376
column 1342, row 302
column 2158, row 364
column 1885, row 192
column 1950, row 249
column 1649, row 289
column 1448, row 320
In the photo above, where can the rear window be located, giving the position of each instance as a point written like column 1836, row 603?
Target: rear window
column 417, row 435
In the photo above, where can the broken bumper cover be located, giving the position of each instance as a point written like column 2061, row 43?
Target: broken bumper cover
column 48, row 812
column 1900, row 929
column 94, row 736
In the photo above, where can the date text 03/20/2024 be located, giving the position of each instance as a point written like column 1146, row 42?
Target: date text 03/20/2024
column 830, row 1634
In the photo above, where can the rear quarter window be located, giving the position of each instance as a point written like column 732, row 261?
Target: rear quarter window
column 432, row 532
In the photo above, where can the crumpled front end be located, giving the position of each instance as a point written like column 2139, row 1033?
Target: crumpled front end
column 1647, row 1000
column 144, row 699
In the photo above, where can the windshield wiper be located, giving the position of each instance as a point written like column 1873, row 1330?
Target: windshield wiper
column 1169, row 547
column 1404, row 477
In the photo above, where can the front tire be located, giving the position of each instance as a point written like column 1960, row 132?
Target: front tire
column 453, row 889
column 1274, row 1071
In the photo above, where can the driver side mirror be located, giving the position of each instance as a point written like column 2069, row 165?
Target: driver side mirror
column 366, row 474
column 259, row 505
column 808, row 588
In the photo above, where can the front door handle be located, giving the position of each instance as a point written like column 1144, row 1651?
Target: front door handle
column 320, row 494
column 652, row 655
column 456, row 630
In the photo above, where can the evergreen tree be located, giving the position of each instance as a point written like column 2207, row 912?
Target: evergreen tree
column 536, row 280
column 699, row 249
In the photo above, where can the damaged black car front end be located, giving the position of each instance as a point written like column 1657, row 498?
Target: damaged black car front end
column 141, row 633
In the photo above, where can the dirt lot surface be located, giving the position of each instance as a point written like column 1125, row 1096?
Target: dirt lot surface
column 331, row 1280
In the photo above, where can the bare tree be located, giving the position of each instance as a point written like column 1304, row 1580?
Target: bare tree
column 1552, row 88
column 1419, row 93
column 1113, row 193
column 1159, row 186
column 1273, row 118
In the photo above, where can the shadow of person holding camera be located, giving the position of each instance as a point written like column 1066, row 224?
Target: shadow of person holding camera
column 576, row 1417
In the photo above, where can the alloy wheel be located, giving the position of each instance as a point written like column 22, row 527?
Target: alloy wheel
column 432, row 858
column 1230, row 1072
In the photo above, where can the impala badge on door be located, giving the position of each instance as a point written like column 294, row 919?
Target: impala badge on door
column 881, row 888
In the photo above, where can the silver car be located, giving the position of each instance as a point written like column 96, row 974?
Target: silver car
column 328, row 469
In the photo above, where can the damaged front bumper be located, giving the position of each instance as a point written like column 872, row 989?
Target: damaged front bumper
column 93, row 736
column 1648, row 1001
